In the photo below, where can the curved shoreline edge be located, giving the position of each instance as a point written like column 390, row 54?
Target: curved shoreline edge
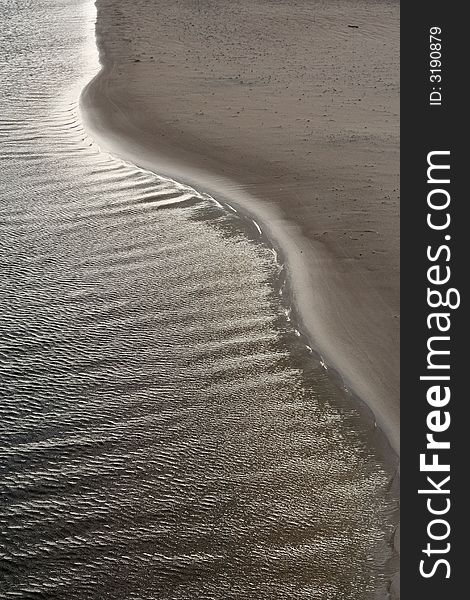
column 340, row 313
column 342, row 316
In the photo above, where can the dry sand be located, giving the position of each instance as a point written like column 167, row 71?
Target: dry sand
column 285, row 111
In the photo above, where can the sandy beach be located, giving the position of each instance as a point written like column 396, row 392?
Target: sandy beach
column 288, row 111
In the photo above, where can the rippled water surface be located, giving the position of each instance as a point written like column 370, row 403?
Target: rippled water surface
column 164, row 433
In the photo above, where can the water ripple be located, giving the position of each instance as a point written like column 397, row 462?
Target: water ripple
column 164, row 432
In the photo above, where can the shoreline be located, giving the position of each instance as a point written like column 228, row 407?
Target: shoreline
column 314, row 277
column 272, row 237
column 345, row 315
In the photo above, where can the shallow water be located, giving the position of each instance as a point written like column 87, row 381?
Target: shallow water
column 164, row 431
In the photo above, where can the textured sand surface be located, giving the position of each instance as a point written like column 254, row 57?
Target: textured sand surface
column 284, row 110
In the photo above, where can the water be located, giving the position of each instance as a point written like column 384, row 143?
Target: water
column 164, row 432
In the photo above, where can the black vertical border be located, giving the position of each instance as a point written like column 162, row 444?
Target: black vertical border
column 425, row 128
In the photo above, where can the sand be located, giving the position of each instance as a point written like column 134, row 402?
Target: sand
column 288, row 113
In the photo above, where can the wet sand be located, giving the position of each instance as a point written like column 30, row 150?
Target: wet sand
column 289, row 113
